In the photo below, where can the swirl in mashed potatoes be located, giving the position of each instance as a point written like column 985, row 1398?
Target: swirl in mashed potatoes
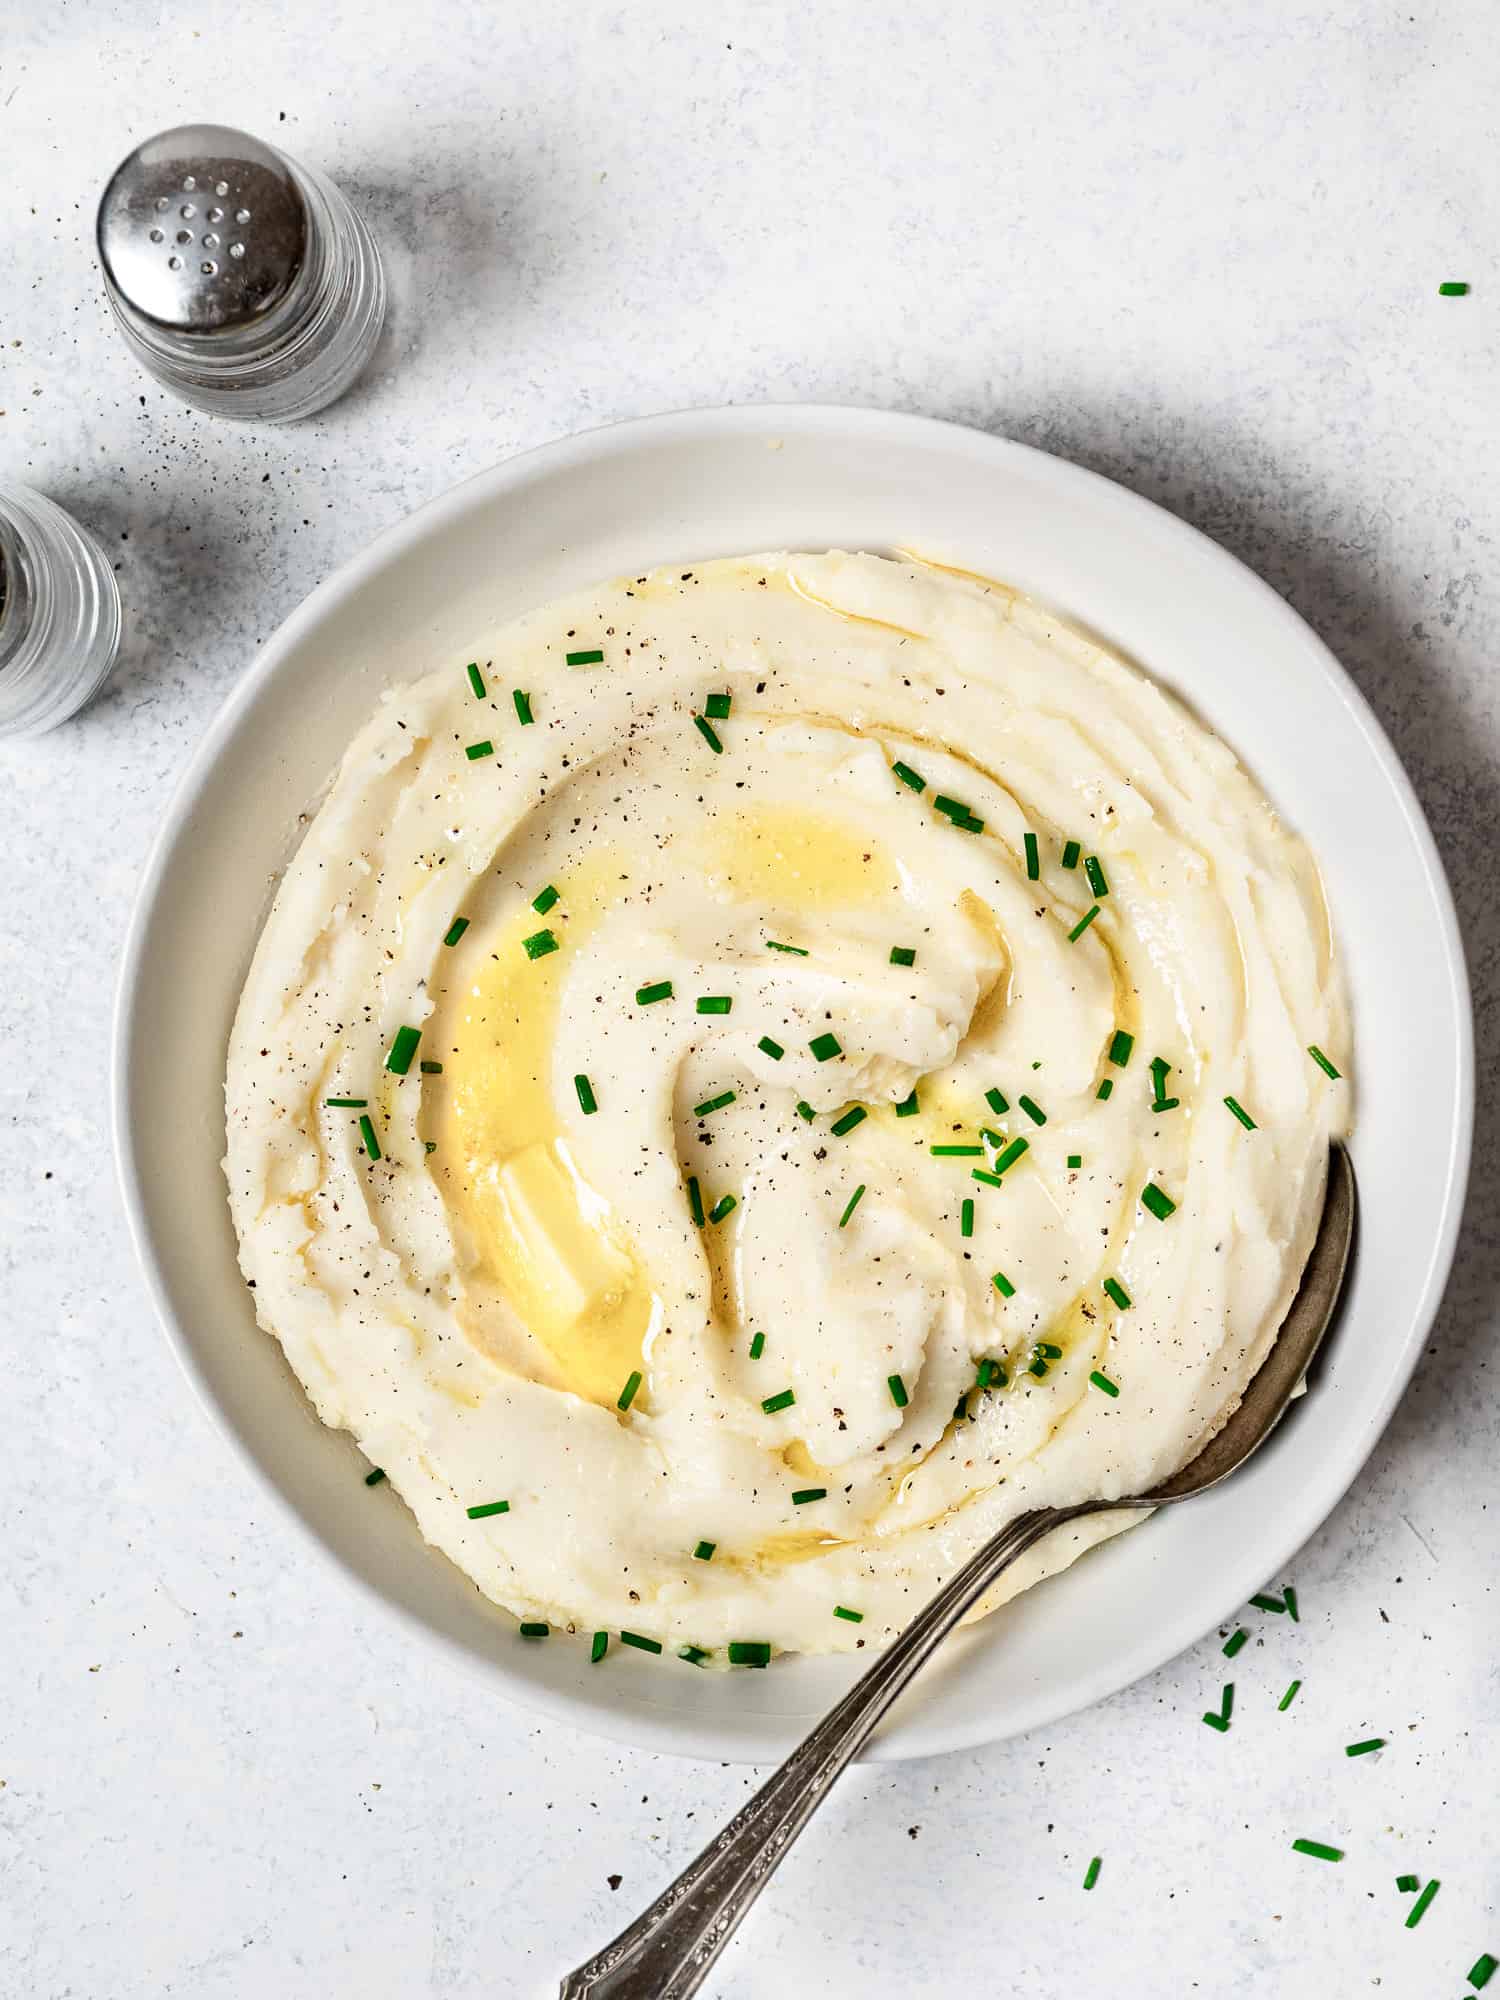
column 829, row 976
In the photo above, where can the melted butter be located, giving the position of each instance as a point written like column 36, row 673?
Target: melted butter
column 801, row 861
column 543, row 1235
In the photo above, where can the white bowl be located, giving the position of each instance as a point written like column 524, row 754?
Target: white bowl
column 720, row 482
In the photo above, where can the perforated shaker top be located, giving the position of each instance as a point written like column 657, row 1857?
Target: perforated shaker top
column 202, row 229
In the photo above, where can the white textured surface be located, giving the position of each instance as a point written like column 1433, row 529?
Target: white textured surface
column 1196, row 248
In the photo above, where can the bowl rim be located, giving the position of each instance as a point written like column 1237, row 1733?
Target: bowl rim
column 664, row 1730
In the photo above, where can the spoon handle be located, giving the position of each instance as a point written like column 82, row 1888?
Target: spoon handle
column 668, row 1951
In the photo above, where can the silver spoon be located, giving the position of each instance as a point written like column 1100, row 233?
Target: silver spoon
column 668, row 1951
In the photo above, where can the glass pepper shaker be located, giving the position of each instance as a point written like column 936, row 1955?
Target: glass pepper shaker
column 59, row 614
column 244, row 282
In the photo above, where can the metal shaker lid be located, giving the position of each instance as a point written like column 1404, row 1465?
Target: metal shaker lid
column 202, row 229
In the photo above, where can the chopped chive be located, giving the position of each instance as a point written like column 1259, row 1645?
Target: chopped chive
column 808, row 1493
column 346, row 1103
column 1092, row 1875
column 1319, row 1851
column 711, row 1104
column 966, row 1217
column 961, row 1408
column 796, row 950
column 909, row 777
column 695, row 1655
column 1159, row 1098
column 908, row 1107
column 989, row 1180
column 724, row 1206
column 1452, row 288
column 783, row 1400
column 1322, row 1061
column 1291, row 1604
column 483, row 1513
column 474, row 751
column 1049, row 1350
column 1116, row 1291
column 533, row 1628
column 805, row 1110
column 476, row 679
column 1033, row 859
column 590, row 659
column 950, row 808
column 1101, row 1381
column 647, row 996
column 523, row 706
column 1012, row 1153
column 539, row 944
column 956, row 1152
column 1234, row 1642
column 455, row 930
column 858, row 1618
column 1288, row 1698
column 1419, row 1907
column 1263, row 1602
column 374, row 1477
column 749, row 1652
column 1105, row 1088
column 1241, row 1113
column 1083, row 923
column 1120, row 1046
column 429, row 1145
column 1408, row 1884
column 695, row 1199
column 855, row 1115
column 431, row 1068
column 398, row 1061
column 998, row 1102
column 1095, row 874
column 773, row 1049
column 1215, row 1721
column 367, row 1134
column 992, row 1375
column 1161, row 1205
column 598, row 1648
column 1033, row 1110
column 715, row 1003
column 627, row 1395
column 1363, row 1749
column 587, row 1102
column 757, row 1346
column 709, row 734
column 1003, row 1285
column 854, row 1201
column 903, row 954
column 1075, row 1161
column 704, row 1552
column 1070, row 854
column 1038, row 1366
column 543, row 903
column 641, row 1643
column 716, row 708
column 825, row 1047
column 898, row 1391
column 1482, row 1971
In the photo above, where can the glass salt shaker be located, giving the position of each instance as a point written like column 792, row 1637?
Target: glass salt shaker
column 59, row 614
column 245, row 283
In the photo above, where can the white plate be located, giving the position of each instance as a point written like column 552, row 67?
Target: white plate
column 722, row 482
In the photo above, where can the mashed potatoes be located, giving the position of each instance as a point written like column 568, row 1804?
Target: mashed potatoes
column 784, row 1066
